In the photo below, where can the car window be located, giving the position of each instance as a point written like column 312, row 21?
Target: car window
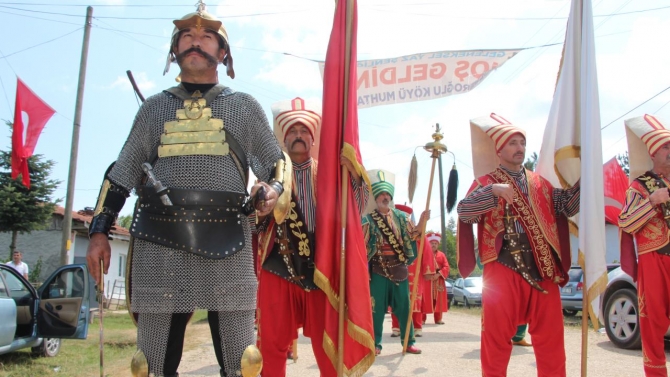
column 17, row 289
column 67, row 284
column 470, row 283
column 4, row 293
column 575, row 274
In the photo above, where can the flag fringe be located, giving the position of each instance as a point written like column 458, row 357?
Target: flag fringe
column 349, row 152
column 594, row 291
column 355, row 332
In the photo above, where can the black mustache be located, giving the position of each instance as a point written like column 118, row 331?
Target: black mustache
column 198, row 51
column 299, row 141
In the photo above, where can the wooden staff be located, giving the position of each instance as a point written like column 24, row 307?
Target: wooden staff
column 102, row 309
column 435, row 148
column 345, row 196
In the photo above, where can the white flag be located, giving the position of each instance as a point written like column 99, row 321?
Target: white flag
column 572, row 147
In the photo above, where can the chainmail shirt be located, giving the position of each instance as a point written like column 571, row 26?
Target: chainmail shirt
column 166, row 280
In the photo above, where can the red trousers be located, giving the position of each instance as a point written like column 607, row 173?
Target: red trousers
column 654, row 303
column 508, row 301
column 283, row 308
column 437, row 317
column 416, row 320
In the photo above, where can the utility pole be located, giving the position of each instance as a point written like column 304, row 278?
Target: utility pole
column 67, row 216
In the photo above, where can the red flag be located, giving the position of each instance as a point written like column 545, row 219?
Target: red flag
column 615, row 184
column 36, row 114
column 339, row 135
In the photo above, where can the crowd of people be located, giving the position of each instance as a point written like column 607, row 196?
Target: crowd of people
column 193, row 248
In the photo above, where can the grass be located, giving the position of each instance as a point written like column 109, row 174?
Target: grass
column 82, row 357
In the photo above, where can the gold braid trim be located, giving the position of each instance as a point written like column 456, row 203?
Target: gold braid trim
column 390, row 237
column 357, row 333
column 540, row 246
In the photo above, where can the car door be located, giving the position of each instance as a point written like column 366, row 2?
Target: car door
column 7, row 315
column 63, row 306
column 458, row 290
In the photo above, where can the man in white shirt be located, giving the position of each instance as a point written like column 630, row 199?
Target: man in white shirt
column 17, row 264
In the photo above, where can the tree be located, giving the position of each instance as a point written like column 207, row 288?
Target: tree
column 531, row 162
column 24, row 210
column 124, row 221
column 622, row 159
column 450, row 239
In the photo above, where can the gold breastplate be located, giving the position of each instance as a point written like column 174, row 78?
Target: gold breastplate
column 194, row 132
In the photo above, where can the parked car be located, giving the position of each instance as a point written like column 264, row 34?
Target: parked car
column 468, row 291
column 571, row 293
column 620, row 311
column 450, row 292
column 40, row 318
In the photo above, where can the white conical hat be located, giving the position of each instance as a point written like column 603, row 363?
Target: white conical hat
column 489, row 135
column 288, row 113
column 645, row 134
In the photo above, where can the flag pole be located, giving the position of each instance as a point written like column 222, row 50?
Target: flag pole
column 344, row 192
column 585, row 322
column 436, row 148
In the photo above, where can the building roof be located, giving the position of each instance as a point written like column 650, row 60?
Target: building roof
column 86, row 216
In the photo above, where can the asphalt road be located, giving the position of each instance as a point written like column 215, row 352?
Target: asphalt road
column 452, row 349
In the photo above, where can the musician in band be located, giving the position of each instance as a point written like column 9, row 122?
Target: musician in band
column 523, row 244
column 288, row 298
column 391, row 239
column 644, row 222
column 187, row 158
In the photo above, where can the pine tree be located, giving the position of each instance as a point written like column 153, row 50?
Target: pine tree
column 24, row 210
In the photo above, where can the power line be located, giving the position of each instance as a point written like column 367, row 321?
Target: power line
column 149, row 18
column 39, row 44
column 512, row 18
column 627, row 112
column 39, row 18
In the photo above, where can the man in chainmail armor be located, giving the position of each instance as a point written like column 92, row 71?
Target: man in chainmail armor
column 191, row 242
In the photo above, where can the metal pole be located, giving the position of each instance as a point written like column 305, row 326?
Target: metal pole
column 67, row 216
column 443, row 208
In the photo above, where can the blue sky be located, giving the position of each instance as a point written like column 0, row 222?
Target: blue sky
column 273, row 42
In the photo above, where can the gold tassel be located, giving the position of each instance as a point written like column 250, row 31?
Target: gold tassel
column 411, row 181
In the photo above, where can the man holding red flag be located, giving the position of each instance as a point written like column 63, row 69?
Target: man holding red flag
column 645, row 218
column 341, row 269
column 37, row 114
column 287, row 296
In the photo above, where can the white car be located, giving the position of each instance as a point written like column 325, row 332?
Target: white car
column 620, row 312
column 40, row 318
column 468, row 291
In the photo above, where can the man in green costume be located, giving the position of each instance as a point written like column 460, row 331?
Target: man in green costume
column 390, row 238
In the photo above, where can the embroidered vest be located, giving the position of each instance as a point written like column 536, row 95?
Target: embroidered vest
column 536, row 214
column 654, row 235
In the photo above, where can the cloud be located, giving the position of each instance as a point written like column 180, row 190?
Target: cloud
column 141, row 79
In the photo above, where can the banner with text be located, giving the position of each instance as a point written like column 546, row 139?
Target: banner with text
column 424, row 76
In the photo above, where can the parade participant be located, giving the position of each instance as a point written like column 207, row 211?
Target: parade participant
column 288, row 298
column 644, row 218
column 187, row 158
column 438, row 283
column 519, row 339
column 523, row 245
column 424, row 298
column 391, row 241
